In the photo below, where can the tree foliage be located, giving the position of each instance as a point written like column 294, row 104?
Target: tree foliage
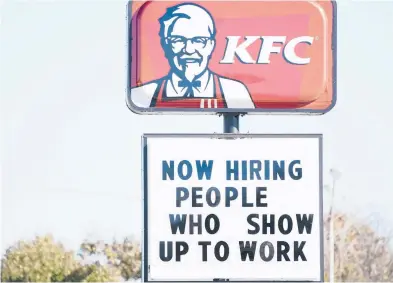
column 43, row 260
column 123, row 256
column 360, row 254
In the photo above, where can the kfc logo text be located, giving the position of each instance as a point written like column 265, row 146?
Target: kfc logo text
column 267, row 47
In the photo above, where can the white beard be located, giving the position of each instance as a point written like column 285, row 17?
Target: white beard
column 191, row 71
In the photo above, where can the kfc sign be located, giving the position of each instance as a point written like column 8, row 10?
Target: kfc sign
column 232, row 56
column 267, row 47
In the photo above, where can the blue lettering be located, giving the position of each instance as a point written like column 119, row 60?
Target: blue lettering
column 232, row 171
column 278, row 170
column 180, row 169
column 168, row 170
column 299, row 173
column 204, row 169
column 267, row 170
column 255, row 168
column 244, row 170
column 261, row 169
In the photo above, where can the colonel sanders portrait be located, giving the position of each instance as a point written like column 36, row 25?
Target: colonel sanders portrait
column 188, row 38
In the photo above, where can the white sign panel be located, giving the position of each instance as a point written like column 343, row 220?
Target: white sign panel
column 242, row 209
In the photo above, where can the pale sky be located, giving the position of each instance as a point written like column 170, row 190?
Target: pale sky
column 71, row 154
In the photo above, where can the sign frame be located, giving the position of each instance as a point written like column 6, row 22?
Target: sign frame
column 209, row 111
column 144, row 174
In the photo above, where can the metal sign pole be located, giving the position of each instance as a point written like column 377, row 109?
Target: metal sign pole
column 231, row 123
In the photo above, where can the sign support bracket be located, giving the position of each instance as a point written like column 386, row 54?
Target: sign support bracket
column 231, row 122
